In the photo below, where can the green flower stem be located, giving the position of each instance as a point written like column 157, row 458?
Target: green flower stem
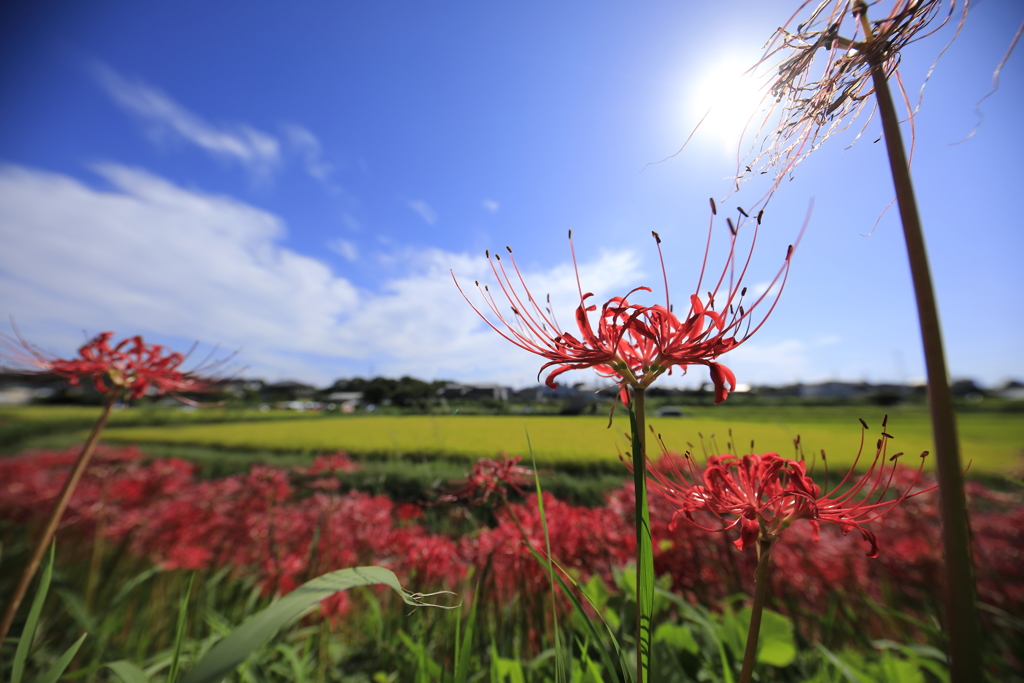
column 58, row 511
column 961, row 610
column 764, row 548
column 644, row 546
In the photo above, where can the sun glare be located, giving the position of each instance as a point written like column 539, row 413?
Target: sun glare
column 728, row 96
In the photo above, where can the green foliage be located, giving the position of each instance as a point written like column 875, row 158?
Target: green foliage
column 28, row 634
column 910, row 665
column 388, row 643
column 232, row 650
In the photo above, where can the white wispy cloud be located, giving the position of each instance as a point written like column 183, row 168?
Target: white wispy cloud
column 256, row 150
column 345, row 248
column 309, row 147
column 491, row 205
column 151, row 257
column 424, row 210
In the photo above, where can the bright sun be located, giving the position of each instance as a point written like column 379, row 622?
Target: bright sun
column 732, row 98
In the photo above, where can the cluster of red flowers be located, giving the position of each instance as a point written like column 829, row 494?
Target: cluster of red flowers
column 289, row 525
column 765, row 494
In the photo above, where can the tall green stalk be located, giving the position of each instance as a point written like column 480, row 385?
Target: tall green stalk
column 764, row 548
column 644, row 546
column 961, row 611
column 58, row 511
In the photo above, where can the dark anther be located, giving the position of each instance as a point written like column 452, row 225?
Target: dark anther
column 924, row 454
column 888, row 436
column 878, row 445
column 570, row 233
column 789, row 252
column 657, row 237
column 497, row 258
column 743, row 292
column 509, row 248
column 732, row 228
column 885, row 421
column 714, row 209
column 893, row 458
column 759, row 214
column 476, row 282
column 745, row 214
column 487, row 253
column 863, row 423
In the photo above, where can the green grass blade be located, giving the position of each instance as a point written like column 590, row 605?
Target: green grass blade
column 57, row 670
column 133, row 583
column 463, row 650
column 842, row 667
column 29, row 633
column 559, row 655
column 621, row 671
column 232, row 651
column 127, row 671
column 291, row 656
column 179, row 633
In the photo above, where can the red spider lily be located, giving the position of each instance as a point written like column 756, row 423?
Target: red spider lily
column 634, row 344
column 131, row 366
column 765, row 494
column 490, row 477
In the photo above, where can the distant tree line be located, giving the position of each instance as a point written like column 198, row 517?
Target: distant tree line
column 405, row 391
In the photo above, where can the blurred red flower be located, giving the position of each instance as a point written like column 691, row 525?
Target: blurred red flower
column 131, row 366
column 490, row 477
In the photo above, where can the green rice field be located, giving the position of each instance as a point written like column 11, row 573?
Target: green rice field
column 994, row 442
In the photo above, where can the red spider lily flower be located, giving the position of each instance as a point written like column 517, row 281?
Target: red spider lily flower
column 764, row 494
column 634, row 344
column 131, row 366
column 490, row 477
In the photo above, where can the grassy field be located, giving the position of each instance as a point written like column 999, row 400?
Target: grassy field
column 993, row 441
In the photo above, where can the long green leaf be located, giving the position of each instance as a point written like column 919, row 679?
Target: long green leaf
column 57, row 670
column 179, row 632
column 232, row 651
column 127, row 671
column 29, row 633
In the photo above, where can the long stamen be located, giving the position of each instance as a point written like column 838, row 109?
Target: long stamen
column 664, row 273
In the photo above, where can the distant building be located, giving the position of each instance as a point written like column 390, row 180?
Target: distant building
column 473, row 392
column 1012, row 391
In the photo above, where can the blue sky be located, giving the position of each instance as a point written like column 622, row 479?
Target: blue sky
column 295, row 181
